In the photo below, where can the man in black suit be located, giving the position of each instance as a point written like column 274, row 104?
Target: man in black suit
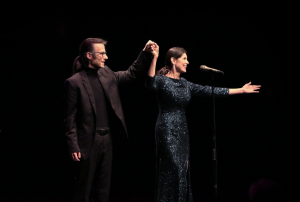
column 89, row 95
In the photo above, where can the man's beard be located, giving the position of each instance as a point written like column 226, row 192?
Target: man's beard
column 96, row 66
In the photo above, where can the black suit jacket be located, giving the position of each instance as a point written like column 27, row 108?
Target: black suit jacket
column 79, row 102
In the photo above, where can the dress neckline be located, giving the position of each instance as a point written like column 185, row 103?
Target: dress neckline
column 173, row 78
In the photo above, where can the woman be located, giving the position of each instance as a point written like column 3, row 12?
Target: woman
column 171, row 132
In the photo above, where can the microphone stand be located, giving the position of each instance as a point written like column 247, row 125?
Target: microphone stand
column 214, row 137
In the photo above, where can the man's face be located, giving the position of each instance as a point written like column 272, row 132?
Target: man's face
column 98, row 57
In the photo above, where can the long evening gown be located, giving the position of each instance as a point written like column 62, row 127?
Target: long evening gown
column 171, row 135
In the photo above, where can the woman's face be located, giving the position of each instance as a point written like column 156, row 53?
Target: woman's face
column 181, row 63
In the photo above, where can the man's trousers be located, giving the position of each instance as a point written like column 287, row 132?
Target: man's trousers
column 94, row 174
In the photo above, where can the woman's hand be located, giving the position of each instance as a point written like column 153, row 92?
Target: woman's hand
column 248, row 88
column 152, row 48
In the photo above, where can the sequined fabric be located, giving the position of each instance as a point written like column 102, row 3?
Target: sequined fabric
column 171, row 135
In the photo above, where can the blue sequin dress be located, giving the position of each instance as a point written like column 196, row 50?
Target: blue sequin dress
column 171, row 135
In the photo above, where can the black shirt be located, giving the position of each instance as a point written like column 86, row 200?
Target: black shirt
column 100, row 98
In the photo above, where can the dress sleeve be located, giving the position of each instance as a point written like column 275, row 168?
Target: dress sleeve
column 206, row 91
column 150, row 83
column 154, row 83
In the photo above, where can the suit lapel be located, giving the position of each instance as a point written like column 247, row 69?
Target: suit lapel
column 88, row 88
column 106, row 79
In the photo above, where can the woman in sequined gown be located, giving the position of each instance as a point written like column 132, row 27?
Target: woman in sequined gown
column 171, row 132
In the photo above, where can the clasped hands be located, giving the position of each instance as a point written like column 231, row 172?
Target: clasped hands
column 152, row 48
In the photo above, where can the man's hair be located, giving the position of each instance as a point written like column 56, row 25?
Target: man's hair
column 86, row 46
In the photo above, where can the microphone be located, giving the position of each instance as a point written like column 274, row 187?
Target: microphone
column 208, row 69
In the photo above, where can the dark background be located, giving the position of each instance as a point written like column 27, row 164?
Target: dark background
column 252, row 130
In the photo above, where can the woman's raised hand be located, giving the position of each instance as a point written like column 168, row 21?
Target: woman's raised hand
column 152, row 47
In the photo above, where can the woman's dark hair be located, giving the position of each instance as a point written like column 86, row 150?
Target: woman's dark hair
column 175, row 52
column 86, row 46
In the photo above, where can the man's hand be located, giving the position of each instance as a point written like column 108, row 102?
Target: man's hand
column 148, row 45
column 152, row 47
column 76, row 156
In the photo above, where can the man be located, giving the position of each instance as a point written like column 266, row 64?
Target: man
column 89, row 95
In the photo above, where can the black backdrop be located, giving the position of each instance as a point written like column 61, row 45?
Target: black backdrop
column 252, row 130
